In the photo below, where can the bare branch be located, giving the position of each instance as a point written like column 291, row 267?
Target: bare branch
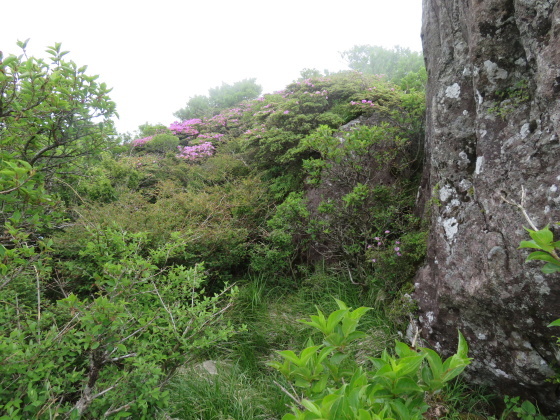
column 126, row 356
column 289, row 394
column 521, row 206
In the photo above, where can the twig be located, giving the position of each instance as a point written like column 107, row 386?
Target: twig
column 298, row 402
column 521, row 206
column 352, row 279
column 17, row 187
column 116, row 410
column 126, row 356
column 38, row 305
column 165, row 307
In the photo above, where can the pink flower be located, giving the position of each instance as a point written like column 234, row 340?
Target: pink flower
column 399, row 254
column 397, row 249
column 286, row 112
column 387, row 231
column 141, row 142
column 196, row 152
column 397, row 242
column 374, row 260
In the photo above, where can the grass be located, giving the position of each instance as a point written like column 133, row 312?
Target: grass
column 245, row 388
column 232, row 393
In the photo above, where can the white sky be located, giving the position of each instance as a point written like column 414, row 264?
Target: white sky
column 157, row 54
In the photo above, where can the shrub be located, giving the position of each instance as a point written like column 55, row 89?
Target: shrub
column 328, row 383
column 142, row 319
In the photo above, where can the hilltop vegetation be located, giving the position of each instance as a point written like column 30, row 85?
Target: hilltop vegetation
column 125, row 265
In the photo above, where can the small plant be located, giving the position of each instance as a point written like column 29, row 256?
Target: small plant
column 511, row 98
column 543, row 240
column 328, row 383
column 524, row 411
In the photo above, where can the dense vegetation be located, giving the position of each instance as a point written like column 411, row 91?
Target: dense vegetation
column 126, row 265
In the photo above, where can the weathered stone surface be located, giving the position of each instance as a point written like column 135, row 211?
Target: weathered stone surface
column 493, row 126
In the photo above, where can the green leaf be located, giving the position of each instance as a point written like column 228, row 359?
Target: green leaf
column 543, row 236
column 555, row 323
column 290, row 356
column 550, row 268
column 462, row 347
column 408, row 365
column 436, row 365
column 334, row 319
column 542, row 256
column 529, row 244
column 311, row 407
column 406, row 386
column 341, row 304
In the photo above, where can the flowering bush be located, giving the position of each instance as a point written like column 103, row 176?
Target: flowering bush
column 187, row 127
column 196, row 152
column 141, row 142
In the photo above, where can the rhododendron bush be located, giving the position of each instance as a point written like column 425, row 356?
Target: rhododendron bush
column 196, row 152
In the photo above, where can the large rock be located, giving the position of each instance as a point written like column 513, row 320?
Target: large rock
column 493, row 127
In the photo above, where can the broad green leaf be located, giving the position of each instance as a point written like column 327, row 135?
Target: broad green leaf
column 550, row 268
column 311, row 407
column 529, row 244
column 555, row 323
column 542, row 237
column 406, row 386
column 462, row 347
column 307, row 353
column 334, row 319
column 436, row 365
column 341, row 304
column 408, row 365
column 290, row 356
column 542, row 256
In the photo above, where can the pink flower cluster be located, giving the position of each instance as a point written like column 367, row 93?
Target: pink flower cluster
column 141, row 142
column 185, row 127
column 319, row 92
column 196, row 152
column 363, row 102
column 215, row 136
column 380, row 243
column 306, row 82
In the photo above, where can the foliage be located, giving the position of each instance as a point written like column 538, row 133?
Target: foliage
column 524, row 411
column 510, row 99
column 52, row 114
column 24, row 201
column 97, row 299
column 142, row 319
column 217, row 222
column 399, row 65
column 329, row 384
column 364, row 181
column 279, row 250
column 548, row 249
column 543, row 240
column 219, row 98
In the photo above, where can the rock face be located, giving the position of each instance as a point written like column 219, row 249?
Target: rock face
column 493, row 127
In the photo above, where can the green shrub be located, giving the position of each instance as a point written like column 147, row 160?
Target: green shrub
column 108, row 353
column 328, row 383
column 162, row 144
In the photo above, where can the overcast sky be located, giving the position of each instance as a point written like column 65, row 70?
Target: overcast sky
column 158, row 54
